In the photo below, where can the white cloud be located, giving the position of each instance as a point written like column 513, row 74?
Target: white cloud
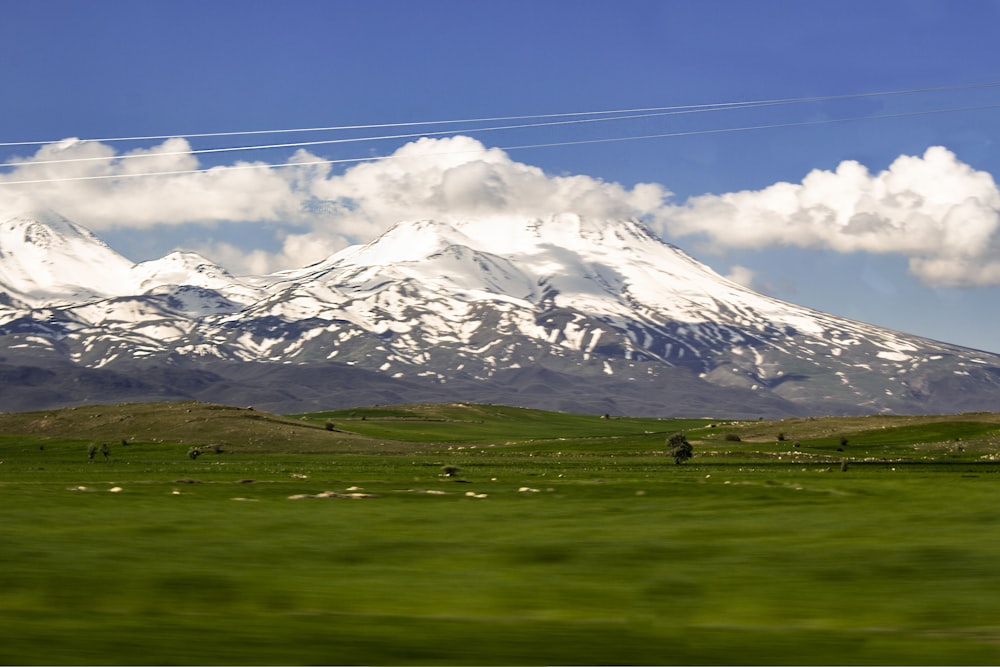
column 458, row 178
column 742, row 275
column 442, row 179
column 225, row 193
column 237, row 260
column 935, row 209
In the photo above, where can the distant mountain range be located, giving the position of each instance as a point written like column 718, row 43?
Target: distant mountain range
column 562, row 313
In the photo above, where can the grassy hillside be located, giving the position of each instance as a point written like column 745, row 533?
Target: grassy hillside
column 188, row 423
column 406, row 428
column 555, row 539
column 470, row 423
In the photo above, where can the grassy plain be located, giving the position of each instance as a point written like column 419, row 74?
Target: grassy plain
column 565, row 539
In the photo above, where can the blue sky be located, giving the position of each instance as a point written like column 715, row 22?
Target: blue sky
column 108, row 69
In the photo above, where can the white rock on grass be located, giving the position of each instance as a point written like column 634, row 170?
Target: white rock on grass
column 332, row 494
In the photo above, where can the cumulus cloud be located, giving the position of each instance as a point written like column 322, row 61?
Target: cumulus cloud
column 742, row 275
column 458, row 178
column 224, row 193
column 441, row 179
column 936, row 210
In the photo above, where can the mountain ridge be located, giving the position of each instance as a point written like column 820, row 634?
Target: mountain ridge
column 565, row 312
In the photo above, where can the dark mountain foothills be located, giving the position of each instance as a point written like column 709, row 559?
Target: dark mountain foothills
column 329, row 386
column 564, row 314
column 286, row 389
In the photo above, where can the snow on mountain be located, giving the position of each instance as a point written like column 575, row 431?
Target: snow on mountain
column 194, row 284
column 615, row 271
column 45, row 258
column 564, row 312
column 180, row 268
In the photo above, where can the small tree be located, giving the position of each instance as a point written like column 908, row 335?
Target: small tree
column 679, row 448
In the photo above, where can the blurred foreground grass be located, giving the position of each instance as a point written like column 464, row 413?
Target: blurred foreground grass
column 558, row 557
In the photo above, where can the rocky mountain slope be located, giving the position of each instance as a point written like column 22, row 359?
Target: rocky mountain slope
column 563, row 313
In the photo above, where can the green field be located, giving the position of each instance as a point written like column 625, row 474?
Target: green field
column 557, row 538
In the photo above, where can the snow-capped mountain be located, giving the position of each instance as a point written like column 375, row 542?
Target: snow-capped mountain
column 566, row 313
column 45, row 258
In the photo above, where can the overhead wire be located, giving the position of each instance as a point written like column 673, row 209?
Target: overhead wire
column 706, row 106
column 385, row 137
column 305, row 163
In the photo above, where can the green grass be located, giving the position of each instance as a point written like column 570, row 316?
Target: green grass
column 468, row 423
column 589, row 547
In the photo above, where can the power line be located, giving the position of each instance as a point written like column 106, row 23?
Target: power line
column 576, row 119
column 327, row 142
column 710, row 106
column 905, row 114
column 305, row 163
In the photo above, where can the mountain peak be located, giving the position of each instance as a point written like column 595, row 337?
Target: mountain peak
column 46, row 257
column 484, row 309
column 43, row 228
column 507, row 236
column 181, row 268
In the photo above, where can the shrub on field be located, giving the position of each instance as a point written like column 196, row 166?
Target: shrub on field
column 679, row 448
column 733, row 437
